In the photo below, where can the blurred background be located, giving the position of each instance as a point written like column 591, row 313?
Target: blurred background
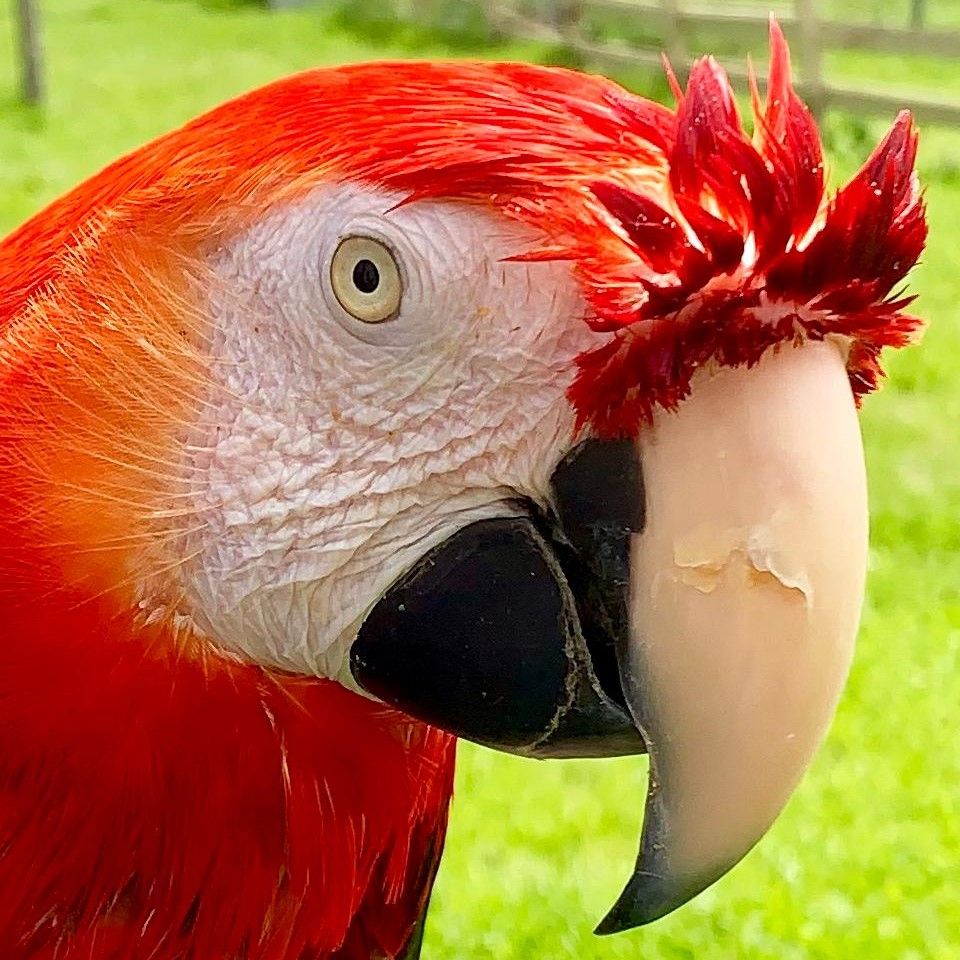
column 864, row 862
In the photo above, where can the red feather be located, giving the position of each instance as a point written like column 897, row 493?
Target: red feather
column 679, row 297
column 170, row 807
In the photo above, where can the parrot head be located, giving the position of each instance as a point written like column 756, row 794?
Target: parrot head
column 491, row 392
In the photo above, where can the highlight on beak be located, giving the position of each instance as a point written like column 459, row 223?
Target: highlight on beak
column 746, row 588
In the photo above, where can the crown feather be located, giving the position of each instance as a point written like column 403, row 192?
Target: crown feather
column 742, row 251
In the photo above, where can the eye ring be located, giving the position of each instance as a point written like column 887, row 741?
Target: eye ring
column 365, row 278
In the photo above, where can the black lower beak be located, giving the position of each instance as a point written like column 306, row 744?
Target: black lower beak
column 506, row 633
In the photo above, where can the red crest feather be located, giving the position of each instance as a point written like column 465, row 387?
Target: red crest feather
column 741, row 251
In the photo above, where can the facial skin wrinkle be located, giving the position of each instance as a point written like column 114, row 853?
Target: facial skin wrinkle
column 339, row 448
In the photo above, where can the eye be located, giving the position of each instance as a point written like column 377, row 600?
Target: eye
column 366, row 279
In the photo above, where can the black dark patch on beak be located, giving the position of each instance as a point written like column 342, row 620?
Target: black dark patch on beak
column 482, row 639
column 467, row 640
column 507, row 632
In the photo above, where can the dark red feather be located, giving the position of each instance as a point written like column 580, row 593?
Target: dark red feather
column 751, row 255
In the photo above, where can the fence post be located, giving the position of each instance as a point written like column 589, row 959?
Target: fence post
column 810, row 53
column 28, row 43
column 563, row 15
column 497, row 18
column 673, row 34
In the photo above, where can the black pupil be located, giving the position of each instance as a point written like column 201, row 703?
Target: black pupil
column 366, row 276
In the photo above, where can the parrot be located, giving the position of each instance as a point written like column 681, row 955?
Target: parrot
column 402, row 402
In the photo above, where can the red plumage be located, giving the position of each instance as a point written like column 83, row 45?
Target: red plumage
column 683, row 287
column 161, row 799
column 164, row 806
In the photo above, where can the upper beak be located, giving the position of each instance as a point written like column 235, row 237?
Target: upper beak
column 693, row 593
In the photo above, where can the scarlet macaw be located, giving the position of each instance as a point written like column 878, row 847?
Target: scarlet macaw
column 404, row 401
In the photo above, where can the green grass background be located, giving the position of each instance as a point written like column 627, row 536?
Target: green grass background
column 864, row 862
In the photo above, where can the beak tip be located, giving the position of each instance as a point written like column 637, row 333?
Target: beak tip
column 650, row 895
column 647, row 897
column 612, row 923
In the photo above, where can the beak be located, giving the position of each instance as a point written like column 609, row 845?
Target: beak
column 693, row 593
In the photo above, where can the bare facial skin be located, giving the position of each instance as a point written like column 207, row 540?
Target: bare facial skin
column 335, row 452
column 747, row 589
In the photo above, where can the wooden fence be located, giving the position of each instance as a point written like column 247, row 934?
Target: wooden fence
column 673, row 21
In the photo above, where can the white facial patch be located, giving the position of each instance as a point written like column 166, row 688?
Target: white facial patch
column 334, row 452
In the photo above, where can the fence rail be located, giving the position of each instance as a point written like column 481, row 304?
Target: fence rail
column 673, row 21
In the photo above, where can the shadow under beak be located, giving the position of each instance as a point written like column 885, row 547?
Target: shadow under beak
column 693, row 593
